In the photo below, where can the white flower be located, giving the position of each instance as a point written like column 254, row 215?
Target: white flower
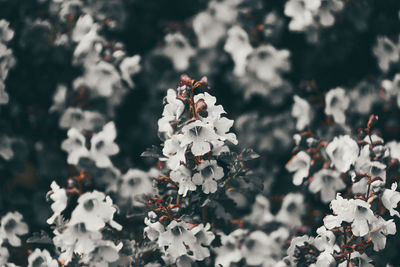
column 172, row 111
column 75, row 146
column 343, row 209
column 207, row 29
column 88, row 48
column 267, row 63
column 358, row 259
column 302, row 111
column 386, row 52
column 183, row 177
column 3, row 255
column 328, row 182
column 257, row 248
column 336, row 103
column 208, row 173
column 41, row 258
column 291, row 210
column 103, row 146
column 6, row 34
column 101, row 78
column 59, row 196
column 136, row 182
column 153, row 228
column 82, row 27
column 128, row 67
column 301, row 12
column 204, row 237
column 199, row 135
column 6, row 151
column 238, row 46
column 390, row 199
column 229, row 251
column 178, row 49
column 394, row 148
column 75, row 239
column 95, row 209
column 325, row 242
column 80, row 120
column 12, row 227
column 326, row 11
column 298, row 241
column 300, row 164
column 379, row 230
column 174, row 151
column 343, row 152
column 260, row 212
column 363, row 217
column 105, row 253
column 175, row 240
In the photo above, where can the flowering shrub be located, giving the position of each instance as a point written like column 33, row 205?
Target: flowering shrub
column 278, row 147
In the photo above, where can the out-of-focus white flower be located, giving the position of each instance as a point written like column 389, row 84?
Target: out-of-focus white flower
column 343, row 152
column 199, row 135
column 128, row 67
column 267, row 63
column 392, row 88
column 41, row 258
column 386, row 52
column 12, row 227
column 327, row 182
column 103, row 146
column 336, row 103
column 136, row 182
column 208, row 30
column 6, row 151
column 291, row 210
column 302, row 111
column 327, row 10
column 208, row 173
column 229, row 252
column 80, row 120
column 183, row 177
column 390, row 199
column 75, row 146
column 59, row 197
column 301, row 13
column 394, row 148
column 94, row 209
column 178, row 49
column 257, row 248
column 238, row 46
column 88, row 49
column 300, row 164
column 379, row 230
column 343, row 209
column 260, row 212
column 101, row 78
column 82, row 27
column 6, row 34
column 59, row 98
column 3, row 255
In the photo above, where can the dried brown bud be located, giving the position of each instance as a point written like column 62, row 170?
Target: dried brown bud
column 201, row 108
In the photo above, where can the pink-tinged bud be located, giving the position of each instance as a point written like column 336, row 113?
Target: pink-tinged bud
column 203, row 80
column 201, row 108
column 185, row 78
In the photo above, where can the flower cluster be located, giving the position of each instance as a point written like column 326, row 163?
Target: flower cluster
column 359, row 219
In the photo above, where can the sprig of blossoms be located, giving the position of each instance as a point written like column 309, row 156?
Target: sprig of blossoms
column 359, row 220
